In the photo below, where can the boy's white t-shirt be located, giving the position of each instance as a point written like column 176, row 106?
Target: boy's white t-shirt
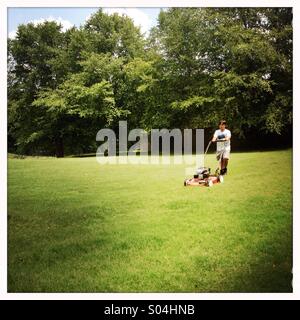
column 225, row 145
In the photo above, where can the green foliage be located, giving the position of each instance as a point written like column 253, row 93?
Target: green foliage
column 193, row 102
column 65, row 85
column 114, row 34
column 226, row 63
column 33, row 67
column 196, row 66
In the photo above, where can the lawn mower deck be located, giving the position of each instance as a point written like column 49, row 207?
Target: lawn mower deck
column 208, row 182
column 203, row 177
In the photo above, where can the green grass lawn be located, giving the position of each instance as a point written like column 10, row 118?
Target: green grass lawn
column 76, row 226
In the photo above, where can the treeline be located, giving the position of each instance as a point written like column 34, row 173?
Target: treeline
column 196, row 66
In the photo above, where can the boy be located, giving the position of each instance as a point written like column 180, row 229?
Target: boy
column 222, row 136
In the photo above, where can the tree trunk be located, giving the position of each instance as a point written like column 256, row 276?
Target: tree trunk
column 59, row 147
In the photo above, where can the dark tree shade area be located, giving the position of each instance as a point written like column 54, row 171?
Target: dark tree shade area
column 196, row 66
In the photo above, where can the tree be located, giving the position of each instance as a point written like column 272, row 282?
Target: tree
column 67, row 85
column 114, row 34
column 196, row 66
column 73, row 111
column 226, row 63
column 32, row 55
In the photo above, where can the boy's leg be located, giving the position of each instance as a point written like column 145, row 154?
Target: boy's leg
column 224, row 162
column 221, row 164
column 223, row 159
column 219, row 158
column 222, row 167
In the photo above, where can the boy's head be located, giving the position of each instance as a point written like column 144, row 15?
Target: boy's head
column 222, row 125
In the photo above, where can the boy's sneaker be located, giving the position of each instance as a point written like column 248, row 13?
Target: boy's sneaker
column 223, row 171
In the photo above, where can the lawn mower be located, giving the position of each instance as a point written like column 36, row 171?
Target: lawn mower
column 203, row 175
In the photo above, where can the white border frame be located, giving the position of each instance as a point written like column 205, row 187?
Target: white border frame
column 4, row 4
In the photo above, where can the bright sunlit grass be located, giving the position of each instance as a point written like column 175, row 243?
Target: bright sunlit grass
column 75, row 225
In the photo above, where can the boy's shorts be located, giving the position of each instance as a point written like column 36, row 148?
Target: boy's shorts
column 222, row 154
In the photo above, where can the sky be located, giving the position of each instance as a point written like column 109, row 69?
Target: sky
column 143, row 17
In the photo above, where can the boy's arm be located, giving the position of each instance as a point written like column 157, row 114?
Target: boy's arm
column 228, row 137
column 214, row 137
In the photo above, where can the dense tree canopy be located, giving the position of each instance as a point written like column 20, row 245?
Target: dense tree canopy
column 196, row 66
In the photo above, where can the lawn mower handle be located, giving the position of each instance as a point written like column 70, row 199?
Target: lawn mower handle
column 209, row 143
